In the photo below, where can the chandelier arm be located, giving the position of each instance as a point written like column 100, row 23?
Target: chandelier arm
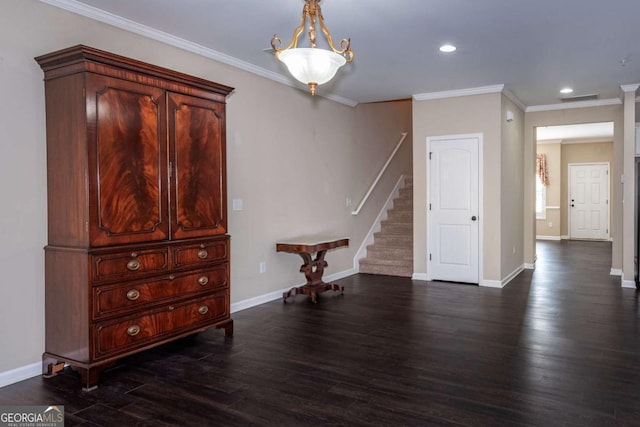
column 294, row 40
column 345, row 44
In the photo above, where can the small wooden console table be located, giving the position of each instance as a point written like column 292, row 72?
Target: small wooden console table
column 313, row 268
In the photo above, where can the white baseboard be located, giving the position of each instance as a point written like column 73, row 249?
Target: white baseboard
column 21, row 373
column 528, row 266
column 558, row 238
column 565, row 237
column 513, row 275
column 628, row 284
column 259, row 300
column 491, row 284
column 615, row 272
column 419, row 276
column 35, row 369
column 275, row 295
column 504, row 282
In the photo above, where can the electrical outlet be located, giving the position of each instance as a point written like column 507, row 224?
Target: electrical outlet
column 263, row 267
column 550, row 224
column 237, row 204
column 514, row 249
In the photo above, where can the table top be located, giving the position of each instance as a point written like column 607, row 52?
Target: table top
column 311, row 244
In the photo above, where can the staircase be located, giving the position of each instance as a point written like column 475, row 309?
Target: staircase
column 391, row 253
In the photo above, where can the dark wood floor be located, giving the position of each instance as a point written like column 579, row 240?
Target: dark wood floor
column 558, row 346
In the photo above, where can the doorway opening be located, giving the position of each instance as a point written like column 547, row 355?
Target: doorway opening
column 574, row 188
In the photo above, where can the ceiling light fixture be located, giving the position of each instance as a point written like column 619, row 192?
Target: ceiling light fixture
column 447, row 48
column 566, row 90
column 312, row 66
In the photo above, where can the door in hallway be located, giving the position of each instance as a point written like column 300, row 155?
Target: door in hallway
column 453, row 209
column 589, row 201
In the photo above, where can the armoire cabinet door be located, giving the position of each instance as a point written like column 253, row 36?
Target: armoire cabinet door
column 127, row 148
column 197, row 153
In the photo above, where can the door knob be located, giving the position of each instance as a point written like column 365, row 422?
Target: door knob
column 473, row 218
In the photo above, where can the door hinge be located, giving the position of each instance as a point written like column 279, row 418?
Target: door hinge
column 430, row 153
column 429, row 257
column 429, row 206
column 170, row 169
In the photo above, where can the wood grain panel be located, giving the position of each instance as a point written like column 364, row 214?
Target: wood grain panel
column 130, row 150
column 197, row 141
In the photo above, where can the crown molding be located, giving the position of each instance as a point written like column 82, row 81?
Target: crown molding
column 169, row 39
column 512, row 96
column 458, row 92
column 629, row 88
column 577, row 104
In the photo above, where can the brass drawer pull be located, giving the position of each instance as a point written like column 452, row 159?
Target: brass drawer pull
column 202, row 253
column 133, row 294
column 203, row 280
column 134, row 330
column 203, row 309
column 133, row 265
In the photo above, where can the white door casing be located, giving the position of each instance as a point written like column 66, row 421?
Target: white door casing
column 453, row 210
column 588, row 202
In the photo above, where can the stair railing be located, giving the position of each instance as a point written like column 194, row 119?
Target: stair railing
column 375, row 182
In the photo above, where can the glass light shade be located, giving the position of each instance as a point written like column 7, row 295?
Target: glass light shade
column 312, row 65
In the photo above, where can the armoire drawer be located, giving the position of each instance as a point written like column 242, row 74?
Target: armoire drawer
column 122, row 335
column 201, row 253
column 109, row 300
column 129, row 264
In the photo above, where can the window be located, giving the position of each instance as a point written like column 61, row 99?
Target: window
column 541, row 199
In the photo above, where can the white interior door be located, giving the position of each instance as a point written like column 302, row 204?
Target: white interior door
column 453, row 213
column 589, row 201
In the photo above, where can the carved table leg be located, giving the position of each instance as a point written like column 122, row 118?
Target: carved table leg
column 313, row 270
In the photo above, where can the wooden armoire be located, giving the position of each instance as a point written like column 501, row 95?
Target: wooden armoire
column 138, row 250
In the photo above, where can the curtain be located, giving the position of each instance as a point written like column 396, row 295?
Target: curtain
column 541, row 169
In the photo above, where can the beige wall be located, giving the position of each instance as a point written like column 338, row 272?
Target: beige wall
column 554, row 166
column 582, row 153
column 612, row 113
column 293, row 159
column 558, row 158
column 511, row 195
column 455, row 116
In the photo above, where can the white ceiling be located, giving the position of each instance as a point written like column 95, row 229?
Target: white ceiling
column 532, row 47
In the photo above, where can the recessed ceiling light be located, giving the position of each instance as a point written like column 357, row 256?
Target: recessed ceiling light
column 566, row 90
column 447, row 48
